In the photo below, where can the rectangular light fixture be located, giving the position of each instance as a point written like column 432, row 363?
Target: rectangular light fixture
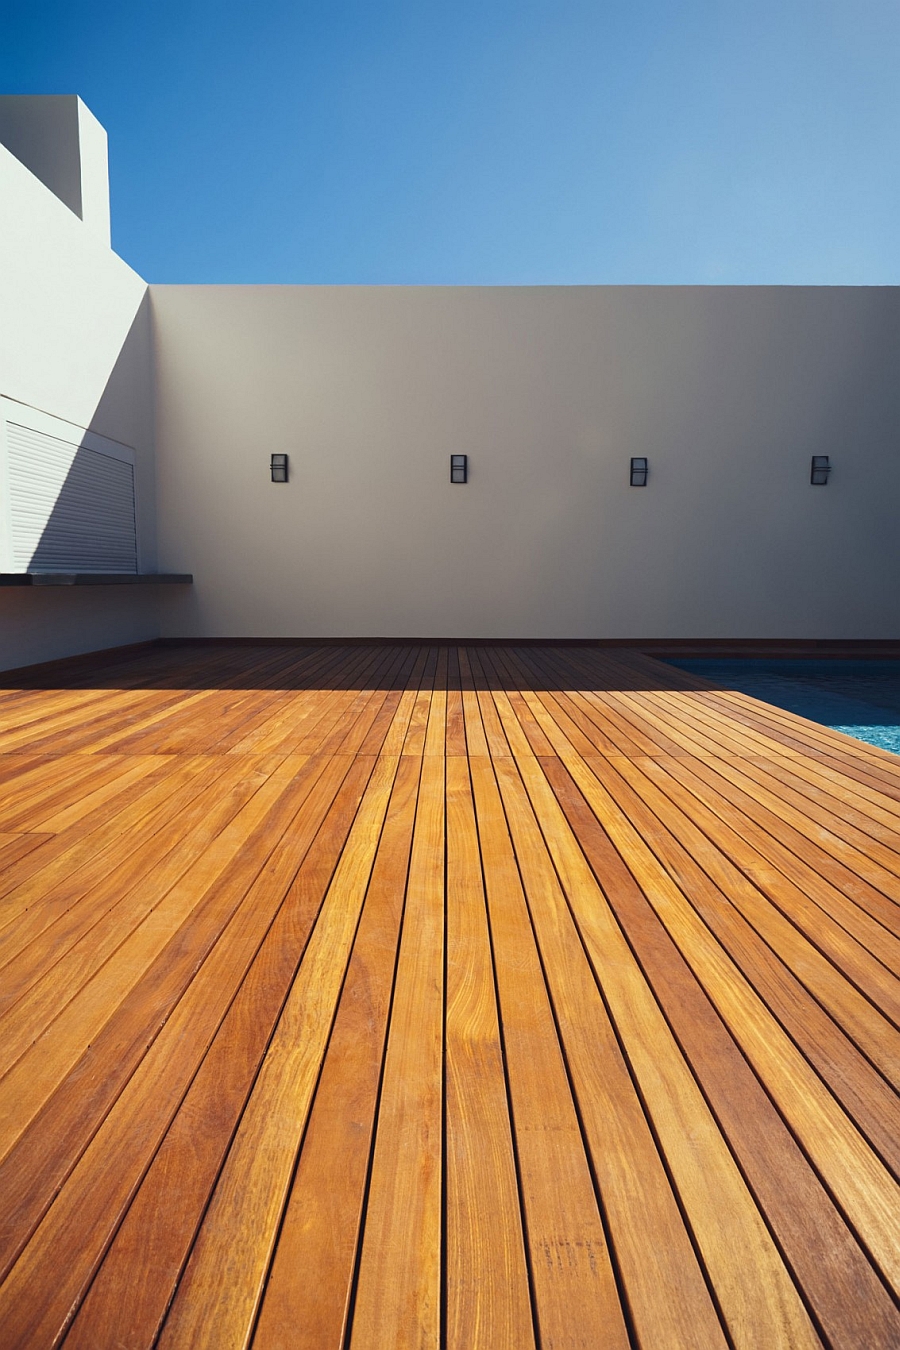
column 279, row 468
column 459, row 468
column 819, row 470
column 639, row 471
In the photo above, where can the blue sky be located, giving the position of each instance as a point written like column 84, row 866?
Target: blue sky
column 500, row 141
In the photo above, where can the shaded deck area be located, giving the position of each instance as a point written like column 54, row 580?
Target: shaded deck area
column 483, row 997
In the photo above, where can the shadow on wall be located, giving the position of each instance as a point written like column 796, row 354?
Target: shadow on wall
column 84, row 506
column 90, row 498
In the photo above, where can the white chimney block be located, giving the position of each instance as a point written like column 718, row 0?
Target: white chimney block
column 60, row 140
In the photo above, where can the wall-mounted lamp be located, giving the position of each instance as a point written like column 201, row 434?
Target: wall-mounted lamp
column 279, row 468
column 459, row 468
column 639, row 471
column 819, row 470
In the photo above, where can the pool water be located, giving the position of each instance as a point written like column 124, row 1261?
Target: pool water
column 860, row 698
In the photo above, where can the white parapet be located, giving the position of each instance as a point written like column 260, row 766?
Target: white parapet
column 59, row 139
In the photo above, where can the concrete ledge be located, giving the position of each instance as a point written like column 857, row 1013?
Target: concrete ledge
column 96, row 579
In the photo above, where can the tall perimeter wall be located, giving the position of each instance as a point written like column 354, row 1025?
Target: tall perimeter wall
column 549, row 391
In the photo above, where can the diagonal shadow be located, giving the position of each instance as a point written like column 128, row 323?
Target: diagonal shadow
column 91, row 523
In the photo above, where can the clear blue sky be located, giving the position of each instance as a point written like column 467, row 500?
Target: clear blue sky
column 486, row 141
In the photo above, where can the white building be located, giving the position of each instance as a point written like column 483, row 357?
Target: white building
column 138, row 424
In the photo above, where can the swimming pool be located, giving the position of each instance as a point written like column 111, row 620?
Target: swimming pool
column 861, row 698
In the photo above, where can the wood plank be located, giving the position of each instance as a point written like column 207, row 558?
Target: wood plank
column 398, row 1295
column 868, row 952
column 36, row 1074
column 783, row 774
column 767, row 950
column 218, row 1296
column 858, row 1179
column 851, row 1010
column 486, row 996
column 869, row 877
column 105, row 791
column 188, row 977
column 104, row 930
column 141, row 806
column 758, row 1300
column 16, row 846
column 574, row 1288
column 84, row 1217
column 307, row 1296
column 162, row 1221
column 665, row 1287
column 48, row 782
column 487, row 1287
column 829, row 1264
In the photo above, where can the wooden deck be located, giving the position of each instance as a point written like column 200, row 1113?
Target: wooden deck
column 473, row 997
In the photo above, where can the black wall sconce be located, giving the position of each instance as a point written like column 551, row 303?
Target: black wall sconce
column 279, row 468
column 639, row 471
column 459, row 468
column 819, row 470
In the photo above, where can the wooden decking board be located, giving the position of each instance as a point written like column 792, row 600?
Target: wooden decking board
column 71, row 731
column 724, row 1221
column 829, row 1264
column 487, row 1298
column 218, row 1296
column 852, row 1171
column 814, row 733
column 18, row 846
column 833, row 750
column 44, row 712
column 303, row 717
column 47, row 788
column 573, row 1282
column 105, row 787
column 398, row 1294
column 80, row 856
column 772, row 804
column 857, row 877
column 810, row 770
column 239, row 732
column 199, row 1004
column 858, row 827
column 765, row 946
column 162, row 1221
column 667, row 1294
column 93, row 931
column 184, row 1164
column 320, row 1231
column 860, row 877
column 847, row 934
column 71, row 910
column 804, row 990
column 449, row 997
column 871, row 1030
column 199, row 900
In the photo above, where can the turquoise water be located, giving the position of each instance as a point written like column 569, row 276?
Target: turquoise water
column 860, row 698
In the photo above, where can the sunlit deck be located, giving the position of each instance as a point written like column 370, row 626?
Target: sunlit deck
column 406, row 997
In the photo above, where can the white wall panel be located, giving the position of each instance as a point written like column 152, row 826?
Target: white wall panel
column 549, row 391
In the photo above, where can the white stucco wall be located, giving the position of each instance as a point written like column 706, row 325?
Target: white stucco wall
column 60, row 140
column 74, row 343
column 729, row 391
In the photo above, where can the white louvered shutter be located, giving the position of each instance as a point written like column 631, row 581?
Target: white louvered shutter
column 71, row 507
